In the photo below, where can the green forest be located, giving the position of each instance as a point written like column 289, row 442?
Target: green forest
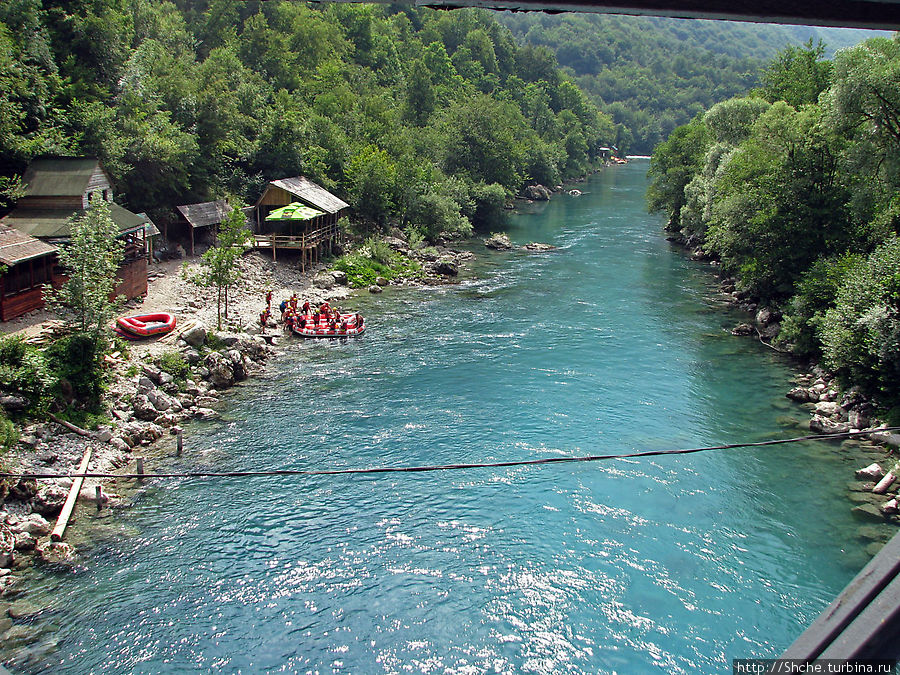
column 652, row 74
column 796, row 192
column 429, row 120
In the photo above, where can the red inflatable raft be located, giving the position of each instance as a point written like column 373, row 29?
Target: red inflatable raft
column 145, row 325
column 312, row 326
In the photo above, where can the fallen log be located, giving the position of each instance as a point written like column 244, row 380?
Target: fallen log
column 69, row 506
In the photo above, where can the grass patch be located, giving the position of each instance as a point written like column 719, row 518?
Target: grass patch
column 376, row 259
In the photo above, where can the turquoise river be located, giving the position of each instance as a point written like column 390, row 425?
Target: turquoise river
column 612, row 343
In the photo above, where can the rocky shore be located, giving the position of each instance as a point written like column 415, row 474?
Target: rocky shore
column 832, row 410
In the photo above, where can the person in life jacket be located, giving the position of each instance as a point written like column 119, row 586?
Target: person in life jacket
column 306, row 307
column 269, row 298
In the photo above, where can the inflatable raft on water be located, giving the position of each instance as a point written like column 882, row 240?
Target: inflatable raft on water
column 310, row 326
column 145, row 325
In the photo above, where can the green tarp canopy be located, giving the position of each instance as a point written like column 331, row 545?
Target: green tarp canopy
column 295, row 211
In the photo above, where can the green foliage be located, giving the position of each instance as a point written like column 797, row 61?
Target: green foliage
column 174, row 364
column 376, row 259
column 861, row 333
column 802, row 204
column 90, row 261
column 24, row 370
column 9, row 435
column 817, row 291
column 77, row 362
column 797, row 75
column 219, row 263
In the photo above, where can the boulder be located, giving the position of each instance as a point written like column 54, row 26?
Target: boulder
column 24, row 541
column 191, row 356
column 537, row 193
column 340, row 277
column 55, row 553
column 886, row 438
column 381, row 281
column 764, row 316
column 237, row 364
column 221, row 371
column 119, row 444
column 7, row 546
column 868, row 512
column 498, row 241
column 35, row 525
column 205, row 414
column 195, row 336
column 828, row 408
column 152, row 372
column 537, row 246
column 396, row 243
column 799, row 394
column 375, row 289
column 446, row 266
column 323, row 280
column 575, row 192
column 144, row 408
column 889, row 508
column 49, row 500
column 742, row 329
column 872, row 472
column 824, row 425
column 13, row 403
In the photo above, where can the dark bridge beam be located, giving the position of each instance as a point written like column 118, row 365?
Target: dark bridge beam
column 879, row 14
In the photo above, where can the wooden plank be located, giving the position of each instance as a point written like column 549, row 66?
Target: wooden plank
column 852, row 601
column 69, row 506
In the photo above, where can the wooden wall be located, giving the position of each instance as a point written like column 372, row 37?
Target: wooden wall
column 21, row 303
column 133, row 278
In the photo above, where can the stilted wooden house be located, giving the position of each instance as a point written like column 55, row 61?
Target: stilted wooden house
column 58, row 188
column 28, row 264
column 203, row 215
column 295, row 213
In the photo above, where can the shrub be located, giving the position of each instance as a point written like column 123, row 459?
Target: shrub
column 77, row 361
column 861, row 333
column 174, row 364
column 24, row 370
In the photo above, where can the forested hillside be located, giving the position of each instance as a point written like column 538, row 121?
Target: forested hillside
column 414, row 116
column 797, row 192
column 652, row 74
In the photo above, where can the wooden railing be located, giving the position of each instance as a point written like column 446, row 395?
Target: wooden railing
column 308, row 239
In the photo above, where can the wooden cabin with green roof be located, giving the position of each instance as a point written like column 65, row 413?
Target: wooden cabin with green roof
column 296, row 213
column 60, row 188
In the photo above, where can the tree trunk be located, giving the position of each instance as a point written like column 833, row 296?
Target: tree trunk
column 219, row 308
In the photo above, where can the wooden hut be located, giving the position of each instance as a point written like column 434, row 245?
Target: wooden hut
column 307, row 235
column 58, row 188
column 203, row 215
column 28, row 264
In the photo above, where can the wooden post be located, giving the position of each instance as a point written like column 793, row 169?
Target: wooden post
column 98, row 491
column 140, row 467
column 69, row 506
column 179, row 443
column 192, row 239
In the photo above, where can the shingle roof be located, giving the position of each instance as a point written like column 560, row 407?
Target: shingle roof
column 58, row 176
column 313, row 194
column 54, row 223
column 17, row 247
column 206, row 213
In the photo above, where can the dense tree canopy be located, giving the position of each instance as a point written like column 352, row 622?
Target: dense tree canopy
column 393, row 109
column 652, row 74
column 801, row 202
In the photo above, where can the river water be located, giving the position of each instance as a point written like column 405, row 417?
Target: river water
column 612, row 343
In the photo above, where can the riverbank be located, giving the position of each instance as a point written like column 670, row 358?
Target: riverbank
column 833, row 409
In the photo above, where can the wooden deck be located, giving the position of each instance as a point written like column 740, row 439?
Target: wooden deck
column 306, row 243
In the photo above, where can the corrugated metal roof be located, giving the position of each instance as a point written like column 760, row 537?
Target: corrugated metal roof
column 58, row 176
column 17, row 247
column 312, row 194
column 206, row 213
column 54, row 223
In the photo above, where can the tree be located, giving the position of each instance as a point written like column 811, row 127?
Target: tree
column 219, row 263
column 797, row 75
column 861, row 333
column 90, row 261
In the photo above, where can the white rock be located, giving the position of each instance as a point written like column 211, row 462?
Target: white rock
column 871, row 472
